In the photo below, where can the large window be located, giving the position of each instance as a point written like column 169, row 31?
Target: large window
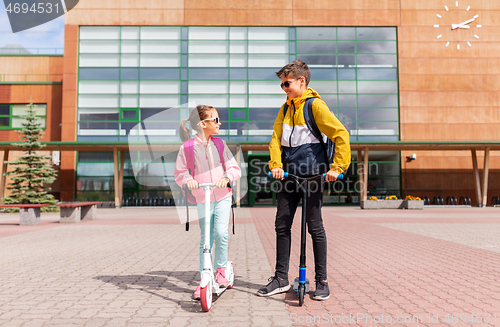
column 127, row 74
column 11, row 115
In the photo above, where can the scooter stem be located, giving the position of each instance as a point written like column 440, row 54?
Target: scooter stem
column 207, row 261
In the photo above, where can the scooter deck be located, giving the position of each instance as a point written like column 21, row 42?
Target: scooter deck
column 296, row 285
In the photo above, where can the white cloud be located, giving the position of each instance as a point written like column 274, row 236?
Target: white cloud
column 49, row 36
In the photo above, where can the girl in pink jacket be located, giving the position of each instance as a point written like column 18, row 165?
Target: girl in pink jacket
column 208, row 168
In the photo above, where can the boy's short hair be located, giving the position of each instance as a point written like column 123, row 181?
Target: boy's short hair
column 297, row 69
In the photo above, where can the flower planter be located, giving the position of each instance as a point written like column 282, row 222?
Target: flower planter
column 382, row 204
column 414, row 204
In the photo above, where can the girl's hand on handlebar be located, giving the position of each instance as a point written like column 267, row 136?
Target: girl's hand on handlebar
column 192, row 184
column 222, row 183
column 331, row 176
column 278, row 173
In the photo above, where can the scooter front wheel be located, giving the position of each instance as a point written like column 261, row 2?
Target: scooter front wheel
column 206, row 297
column 302, row 291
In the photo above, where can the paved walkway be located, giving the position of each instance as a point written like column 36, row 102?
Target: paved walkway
column 138, row 267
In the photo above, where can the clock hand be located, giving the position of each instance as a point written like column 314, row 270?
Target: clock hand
column 463, row 24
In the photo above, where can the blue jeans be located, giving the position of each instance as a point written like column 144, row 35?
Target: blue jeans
column 219, row 223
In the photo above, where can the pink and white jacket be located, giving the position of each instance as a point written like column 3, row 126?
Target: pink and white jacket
column 207, row 169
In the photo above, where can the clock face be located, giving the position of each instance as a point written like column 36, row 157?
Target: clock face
column 457, row 19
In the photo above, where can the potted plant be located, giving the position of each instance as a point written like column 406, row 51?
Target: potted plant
column 412, row 202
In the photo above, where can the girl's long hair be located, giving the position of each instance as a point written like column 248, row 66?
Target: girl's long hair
column 198, row 114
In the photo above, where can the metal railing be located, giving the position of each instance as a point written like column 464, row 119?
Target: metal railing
column 32, row 51
column 30, row 78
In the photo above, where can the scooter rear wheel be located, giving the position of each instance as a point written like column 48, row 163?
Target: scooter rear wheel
column 302, row 292
column 206, row 297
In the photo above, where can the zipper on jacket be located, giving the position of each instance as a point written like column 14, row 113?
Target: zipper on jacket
column 293, row 123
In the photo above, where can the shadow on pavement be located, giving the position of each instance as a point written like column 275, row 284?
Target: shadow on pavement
column 151, row 282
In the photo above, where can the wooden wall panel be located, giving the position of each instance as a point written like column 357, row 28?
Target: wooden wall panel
column 238, row 5
column 335, row 17
column 476, row 114
column 5, row 91
column 426, row 66
column 343, row 4
column 238, row 17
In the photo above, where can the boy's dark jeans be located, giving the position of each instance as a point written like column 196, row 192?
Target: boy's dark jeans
column 288, row 198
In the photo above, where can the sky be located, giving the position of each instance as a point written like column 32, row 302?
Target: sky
column 48, row 35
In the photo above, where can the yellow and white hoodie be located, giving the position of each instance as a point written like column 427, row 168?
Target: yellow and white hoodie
column 295, row 149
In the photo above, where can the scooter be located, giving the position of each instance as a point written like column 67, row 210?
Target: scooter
column 301, row 284
column 208, row 284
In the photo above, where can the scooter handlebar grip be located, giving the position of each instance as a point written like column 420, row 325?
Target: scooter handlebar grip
column 270, row 174
column 341, row 176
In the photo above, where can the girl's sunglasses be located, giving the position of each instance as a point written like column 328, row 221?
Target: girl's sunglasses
column 216, row 120
column 285, row 84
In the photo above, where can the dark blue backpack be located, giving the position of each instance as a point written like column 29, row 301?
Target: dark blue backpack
column 329, row 146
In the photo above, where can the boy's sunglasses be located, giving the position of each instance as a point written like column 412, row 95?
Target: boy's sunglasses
column 216, row 120
column 285, row 84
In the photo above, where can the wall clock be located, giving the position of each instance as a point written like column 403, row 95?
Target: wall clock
column 457, row 25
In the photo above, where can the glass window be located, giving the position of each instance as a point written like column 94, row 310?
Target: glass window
column 277, row 61
column 130, row 60
column 377, row 60
column 160, row 87
column 129, row 100
column 99, row 60
column 268, row 33
column 98, row 100
column 130, row 33
column 208, row 47
column 99, row 33
column 208, row 87
column 207, row 60
column 98, row 87
column 130, row 73
column 265, row 87
column 376, row 47
column 160, row 60
column 208, row 74
column 267, row 47
column 160, row 47
column 213, row 33
column 370, row 33
column 316, row 47
column 160, row 73
column 346, row 33
column 99, row 46
column 377, row 74
column 160, row 33
column 316, row 33
column 319, row 60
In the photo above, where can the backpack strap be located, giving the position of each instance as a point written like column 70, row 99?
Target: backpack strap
column 220, row 148
column 189, row 153
column 313, row 127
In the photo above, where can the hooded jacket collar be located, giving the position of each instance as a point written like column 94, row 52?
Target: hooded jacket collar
column 309, row 93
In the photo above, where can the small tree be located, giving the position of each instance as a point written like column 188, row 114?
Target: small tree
column 33, row 170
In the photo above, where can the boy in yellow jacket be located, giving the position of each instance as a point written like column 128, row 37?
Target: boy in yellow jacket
column 296, row 150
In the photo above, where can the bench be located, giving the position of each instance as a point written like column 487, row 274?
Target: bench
column 29, row 214
column 73, row 212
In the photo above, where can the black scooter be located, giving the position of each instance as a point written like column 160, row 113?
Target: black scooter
column 301, row 284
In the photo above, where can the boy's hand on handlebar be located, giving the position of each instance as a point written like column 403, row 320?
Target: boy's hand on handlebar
column 331, row 176
column 278, row 173
column 192, row 184
column 222, row 183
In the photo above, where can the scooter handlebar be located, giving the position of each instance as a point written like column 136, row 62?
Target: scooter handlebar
column 341, row 176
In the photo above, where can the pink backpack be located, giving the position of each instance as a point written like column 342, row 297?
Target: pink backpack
column 189, row 151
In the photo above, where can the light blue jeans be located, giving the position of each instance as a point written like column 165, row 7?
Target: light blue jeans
column 219, row 223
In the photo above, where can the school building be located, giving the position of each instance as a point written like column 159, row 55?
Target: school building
column 416, row 83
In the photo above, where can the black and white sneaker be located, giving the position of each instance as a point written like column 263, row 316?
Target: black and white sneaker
column 276, row 285
column 322, row 291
